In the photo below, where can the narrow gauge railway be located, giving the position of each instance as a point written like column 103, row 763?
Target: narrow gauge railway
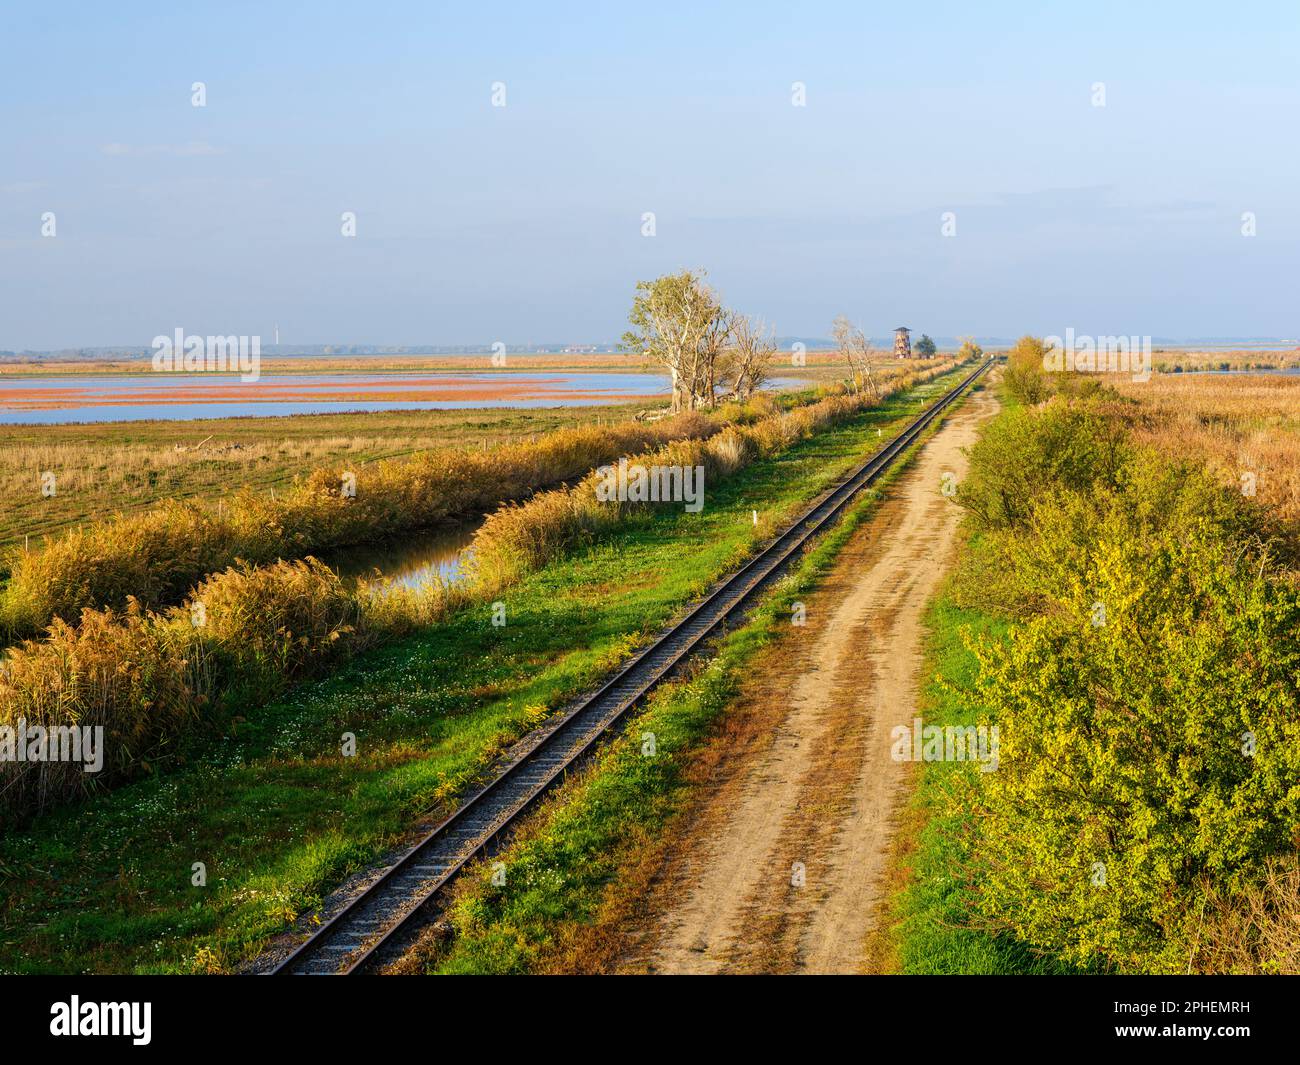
column 372, row 927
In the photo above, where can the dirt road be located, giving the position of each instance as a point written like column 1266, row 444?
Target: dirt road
column 779, row 864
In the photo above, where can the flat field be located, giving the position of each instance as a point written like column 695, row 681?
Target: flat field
column 102, row 469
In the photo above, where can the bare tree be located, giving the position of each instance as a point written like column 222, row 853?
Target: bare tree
column 857, row 352
column 680, row 322
column 713, row 356
column 749, row 360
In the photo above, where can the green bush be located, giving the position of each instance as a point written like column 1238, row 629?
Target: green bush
column 1159, row 738
column 1024, row 375
column 1149, row 708
column 1025, row 453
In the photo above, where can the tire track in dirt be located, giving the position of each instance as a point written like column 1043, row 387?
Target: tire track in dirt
column 808, row 777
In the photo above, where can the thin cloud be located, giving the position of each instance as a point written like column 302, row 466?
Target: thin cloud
column 192, row 148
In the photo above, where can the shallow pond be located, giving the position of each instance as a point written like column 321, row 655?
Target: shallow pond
column 59, row 399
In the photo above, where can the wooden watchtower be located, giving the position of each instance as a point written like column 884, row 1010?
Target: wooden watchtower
column 902, row 342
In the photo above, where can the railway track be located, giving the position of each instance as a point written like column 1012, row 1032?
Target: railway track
column 379, row 920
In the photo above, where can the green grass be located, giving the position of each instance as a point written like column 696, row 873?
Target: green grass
column 279, row 817
column 563, row 864
column 934, row 932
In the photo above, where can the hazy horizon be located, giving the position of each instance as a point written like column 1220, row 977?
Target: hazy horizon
column 477, row 222
column 361, row 349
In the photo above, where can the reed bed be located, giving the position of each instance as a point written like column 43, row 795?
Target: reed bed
column 521, row 537
column 1244, row 429
column 1176, row 362
column 151, row 677
column 127, row 467
column 146, row 678
column 157, row 555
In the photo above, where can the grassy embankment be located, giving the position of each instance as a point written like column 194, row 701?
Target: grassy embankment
column 126, row 467
column 278, row 816
column 156, row 555
column 1127, row 616
column 580, row 866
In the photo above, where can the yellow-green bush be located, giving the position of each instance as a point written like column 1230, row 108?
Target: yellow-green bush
column 1148, row 724
column 1025, row 453
column 1025, row 376
column 1148, row 706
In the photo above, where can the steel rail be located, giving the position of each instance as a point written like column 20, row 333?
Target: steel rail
column 399, row 898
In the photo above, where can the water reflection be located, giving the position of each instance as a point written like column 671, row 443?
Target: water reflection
column 409, row 562
column 60, row 399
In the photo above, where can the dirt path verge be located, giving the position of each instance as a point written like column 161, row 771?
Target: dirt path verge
column 778, row 865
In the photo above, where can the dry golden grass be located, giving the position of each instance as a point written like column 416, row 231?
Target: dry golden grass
column 1245, row 359
column 518, row 538
column 1255, row 931
column 156, row 555
column 145, row 678
column 125, row 467
column 1233, row 425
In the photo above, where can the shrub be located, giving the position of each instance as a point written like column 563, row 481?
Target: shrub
column 1149, row 733
column 1124, row 743
column 1024, row 376
column 1026, row 453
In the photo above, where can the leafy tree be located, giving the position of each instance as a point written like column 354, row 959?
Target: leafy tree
column 680, row 322
column 1024, row 375
column 925, row 347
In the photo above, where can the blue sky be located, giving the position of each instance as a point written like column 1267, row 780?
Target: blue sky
column 477, row 223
